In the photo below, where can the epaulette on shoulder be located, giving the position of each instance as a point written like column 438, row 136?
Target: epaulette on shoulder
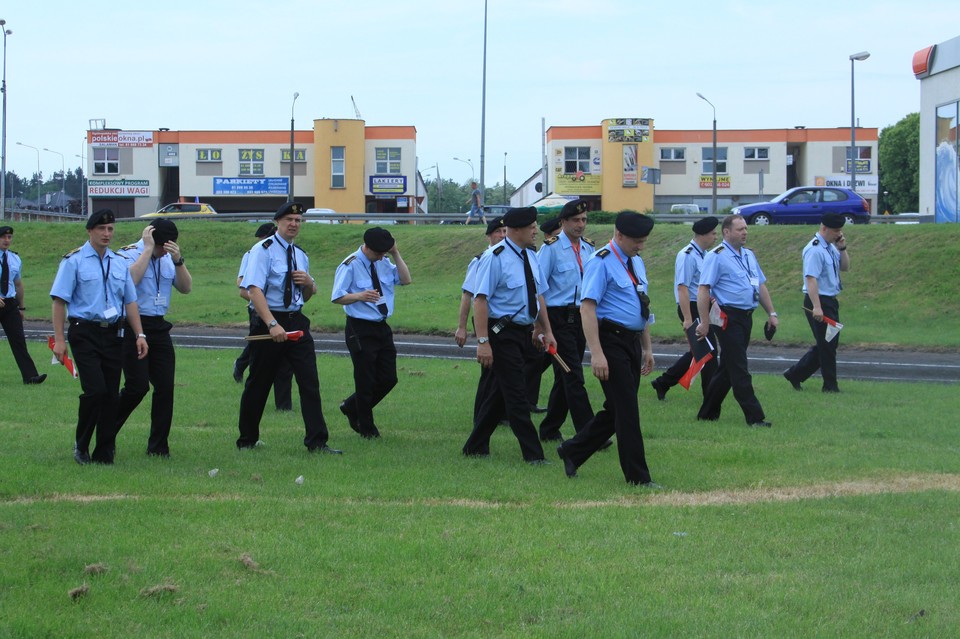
column 14, row 252
column 816, row 242
column 128, row 247
column 603, row 253
column 498, row 250
column 587, row 240
column 350, row 259
column 477, row 256
column 76, row 250
column 266, row 243
column 719, row 249
column 551, row 240
column 687, row 251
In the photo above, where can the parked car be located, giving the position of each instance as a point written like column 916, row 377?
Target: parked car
column 320, row 216
column 806, row 205
column 687, row 209
column 183, row 208
column 495, row 210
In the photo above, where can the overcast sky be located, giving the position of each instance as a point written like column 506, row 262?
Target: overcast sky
column 217, row 65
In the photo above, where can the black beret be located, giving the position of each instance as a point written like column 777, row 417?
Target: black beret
column 494, row 224
column 288, row 208
column 704, row 226
column 550, row 225
column 634, row 224
column 572, row 208
column 102, row 216
column 519, row 218
column 833, row 220
column 6, row 229
column 265, row 229
column 164, row 231
column 378, row 240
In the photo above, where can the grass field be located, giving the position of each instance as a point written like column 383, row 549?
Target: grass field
column 898, row 293
column 841, row 521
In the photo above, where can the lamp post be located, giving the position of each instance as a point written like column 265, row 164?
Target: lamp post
column 83, row 182
column 3, row 144
column 63, row 177
column 483, row 107
column 469, row 163
column 856, row 57
column 38, row 170
column 714, row 194
column 505, row 178
column 292, row 104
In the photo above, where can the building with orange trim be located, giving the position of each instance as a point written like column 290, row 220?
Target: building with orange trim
column 626, row 163
column 341, row 164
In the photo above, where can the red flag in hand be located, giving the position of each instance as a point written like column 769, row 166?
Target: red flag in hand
column 67, row 362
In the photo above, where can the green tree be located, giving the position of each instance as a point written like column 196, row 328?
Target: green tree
column 899, row 147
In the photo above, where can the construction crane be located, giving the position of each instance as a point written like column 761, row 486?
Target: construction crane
column 356, row 111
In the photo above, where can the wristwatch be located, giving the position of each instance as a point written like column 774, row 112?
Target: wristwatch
column 143, row 335
column 179, row 262
column 483, row 340
column 272, row 324
column 774, row 314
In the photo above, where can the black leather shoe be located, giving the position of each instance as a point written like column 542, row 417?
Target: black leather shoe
column 605, row 445
column 661, row 391
column 237, row 373
column 351, row 418
column 325, row 449
column 539, row 462
column 795, row 384
column 761, row 424
column 568, row 466
column 37, row 379
column 81, row 457
column 537, row 409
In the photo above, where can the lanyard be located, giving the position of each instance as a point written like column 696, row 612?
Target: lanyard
column 741, row 260
column 155, row 261
column 576, row 252
column 633, row 277
column 106, row 276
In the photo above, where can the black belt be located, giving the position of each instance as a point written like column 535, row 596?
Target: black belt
column 565, row 307
column 508, row 323
column 284, row 314
column 733, row 310
column 92, row 323
column 610, row 326
column 360, row 319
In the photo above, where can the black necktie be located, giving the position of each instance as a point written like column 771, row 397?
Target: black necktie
column 4, row 276
column 288, row 281
column 531, row 285
column 644, row 300
column 382, row 307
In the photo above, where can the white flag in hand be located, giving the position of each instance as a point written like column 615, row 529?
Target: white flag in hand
column 833, row 328
column 717, row 316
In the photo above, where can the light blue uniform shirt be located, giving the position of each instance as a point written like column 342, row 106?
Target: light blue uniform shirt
column 607, row 282
column 501, row 280
column 561, row 271
column 734, row 279
column 14, row 264
column 353, row 276
column 821, row 260
column 686, row 270
column 154, row 289
column 469, row 281
column 267, row 269
column 92, row 287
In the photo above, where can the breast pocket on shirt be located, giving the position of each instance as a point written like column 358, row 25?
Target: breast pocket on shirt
column 514, row 281
column 118, row 281
column 363, row 283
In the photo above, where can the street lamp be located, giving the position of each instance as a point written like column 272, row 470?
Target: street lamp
column 700, row 95
column 63, row 177
column 38, row 170
column 469, row 163
column 856, row 57
column 3, row 144
column 505, row 178
column 83, row 182
column 290, row 191
column 483, row 108
column 439, row 184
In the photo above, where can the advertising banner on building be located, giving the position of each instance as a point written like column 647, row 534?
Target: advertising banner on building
column 629, row 165
column 866, row 184
column 140, row 139
column 388, row 184
column 706, row 182
column 118, row 188
column 629, row 130
column 251, row 186
column 576, row 184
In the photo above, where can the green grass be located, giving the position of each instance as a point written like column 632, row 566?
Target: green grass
column 898, row 293
column 841, row 521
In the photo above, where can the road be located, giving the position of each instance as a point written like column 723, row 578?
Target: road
column 879, row 365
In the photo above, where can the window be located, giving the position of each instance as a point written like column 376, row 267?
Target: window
column 251, row 162
column 388, row 160
column 673, row 154
column 299, row 155
column 576, row 159
column 209, row 155
column 337, row 167
column 708, row 160
column 106, row 160
column 756, row 153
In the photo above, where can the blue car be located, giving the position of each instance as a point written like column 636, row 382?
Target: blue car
column 806, row 205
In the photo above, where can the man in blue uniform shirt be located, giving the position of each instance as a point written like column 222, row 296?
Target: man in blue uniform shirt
column 365, row 285
column 824, row 258
column 157, row 267
column 278, row 282
column 615, row 311
column 12, row 307
column 561, row 266
column 95, row 283
column 686, row 282
column 496, row 231
column 507, row 305
column 732, row 275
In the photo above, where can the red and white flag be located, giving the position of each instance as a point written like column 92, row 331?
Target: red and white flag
column 833, row 328
column 696, row 365
column 717, row 316
column 67, row 362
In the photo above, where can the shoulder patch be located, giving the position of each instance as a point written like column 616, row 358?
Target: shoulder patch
column 498, row 250
column 718, row 250
column 477, row 256
column 128, row 247
column 266, row 244
column 66, row 255
column 14, row 252
column 602, row 252
column 551, row 240
column 587, row 240
column 816, row 241
column 350, row 259
column 688, row 249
